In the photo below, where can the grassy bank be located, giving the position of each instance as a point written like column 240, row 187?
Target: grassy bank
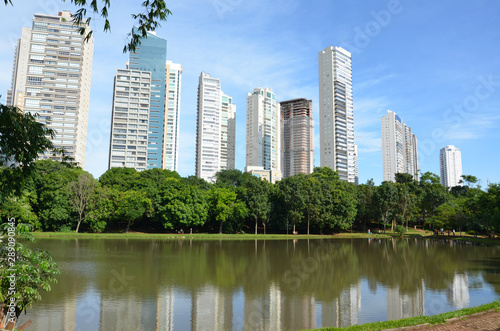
column 437, row 319
column 215, row 236
column 205, row 236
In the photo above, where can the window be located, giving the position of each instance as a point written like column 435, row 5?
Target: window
column 36, row 58
column 32, row 103
column 34, row 80
column 37, row 70
column 37, row 48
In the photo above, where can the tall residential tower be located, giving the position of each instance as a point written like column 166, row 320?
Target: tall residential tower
column 336, row 123
column 297, row 137
column 215, row 129
column 172, row 114
column 399, row 148
column 51, row 77
column 450, row 164
column 263, row 131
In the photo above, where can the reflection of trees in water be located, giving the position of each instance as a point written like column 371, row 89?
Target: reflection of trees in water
column 319, row 268
column 322, row 268
column 278, row 278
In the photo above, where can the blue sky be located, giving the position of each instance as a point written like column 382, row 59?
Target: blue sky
column 436, row 64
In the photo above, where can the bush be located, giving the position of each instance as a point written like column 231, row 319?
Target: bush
column 400, row 230
column 65, row 228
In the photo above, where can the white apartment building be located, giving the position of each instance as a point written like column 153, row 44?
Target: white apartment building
column 130, row 119
column 336, row 122
column 172, row 115
column 263, row 130
column 215, row 129
column 399, row 148
column 228, row 132
column 450, row 164
column 51, row 77
column 297, row 137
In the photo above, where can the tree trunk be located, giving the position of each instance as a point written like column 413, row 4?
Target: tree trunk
column 293, row 227
column 307, row 224
column 264, row 225
column 79, row 221
column 220, row 228
column 255, row 226
column 128, row 227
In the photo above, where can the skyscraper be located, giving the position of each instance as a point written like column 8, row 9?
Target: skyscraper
column 336, row 123
column 263, row 130
column 172, row 113
column 51, row 77
column 228, row 132
column 450, row 164
column 151, row 56
column 399, row 148
column 130, row 119
column 297, row 137
column 215, row 129
column 146, row 109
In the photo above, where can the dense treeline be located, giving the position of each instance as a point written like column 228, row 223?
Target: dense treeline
column 60, row 197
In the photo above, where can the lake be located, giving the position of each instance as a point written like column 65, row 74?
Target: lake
column 191, row 284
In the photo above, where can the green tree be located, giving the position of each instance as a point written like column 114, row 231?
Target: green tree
column 131, row 206
column 230, row 178
column 366, row 204
column 292, row 198
column 222, row 204
column 340, row 207
column 182, row 205
column 387, row 197
column 22, row 139
column 121, row 179
column 21, row 208
column 102, row 208
column 432, row 195
column 313, row 200
column 54, row 207
column 255, row 193
column 80, row 193
column 35, row 271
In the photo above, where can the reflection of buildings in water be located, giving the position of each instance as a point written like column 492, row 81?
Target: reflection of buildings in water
column 274, row 308
column 299, row 312
column 165, row 310
column 264, row 312
column 458, row 291
column 344, row 310
column 121, row 313
column 211, row 309
column 403, row 305
column 57, row 319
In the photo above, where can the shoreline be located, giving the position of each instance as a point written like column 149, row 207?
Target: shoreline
column 422, row 321
column 217, row 236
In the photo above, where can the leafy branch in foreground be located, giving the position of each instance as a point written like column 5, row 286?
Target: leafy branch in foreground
column 22, row 139
column 31, row 271
column 148, row 20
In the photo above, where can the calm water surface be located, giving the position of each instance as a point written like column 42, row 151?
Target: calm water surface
column 135, row 284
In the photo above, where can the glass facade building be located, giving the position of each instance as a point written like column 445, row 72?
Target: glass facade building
column 151, row 56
